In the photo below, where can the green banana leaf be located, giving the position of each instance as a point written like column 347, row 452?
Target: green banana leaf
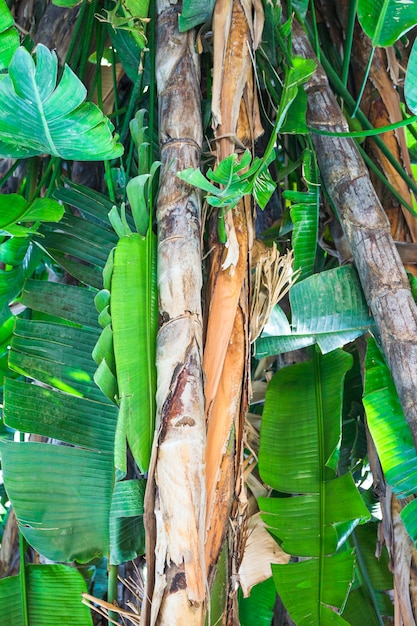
column 64, row 301
column 9, row 37
column 195, row 12
column 298, row 456
column 15, row 209
column 327, row 308
column 369, row 602
column 134, row 323
column 81, row 245
column 410, row 85
column 384, row 21
column 61, row 496
column 258, row 608
column 305, row 217
column 391, row 433
column 37, row 116
column 72, row 516
column 127, row 532
column 53, row 596
column 20, row 258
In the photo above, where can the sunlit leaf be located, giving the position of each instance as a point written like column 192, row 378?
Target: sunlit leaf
column 328, row 308
column 384, row 21
column 37, row 116
column 53, row 595
column 9, row 37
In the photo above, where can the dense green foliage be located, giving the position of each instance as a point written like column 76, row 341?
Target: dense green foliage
column 78, row 323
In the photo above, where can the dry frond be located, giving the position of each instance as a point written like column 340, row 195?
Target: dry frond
column 272, row 277
column 130, row 615
column 261, row 550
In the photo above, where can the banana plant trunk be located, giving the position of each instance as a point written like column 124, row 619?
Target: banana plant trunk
column 175, row 500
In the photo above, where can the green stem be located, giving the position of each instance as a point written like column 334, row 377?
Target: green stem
column 369, row 588
column 365, row 79
column 315, row 31
column 9, row 173
column 350, row 104
column 22, row 554
column 373, row 132
column 347, row 51
column 74, row 39
column 321, row 460
column 112, row 592
column 386, row 182
column 109, row 181
column 152, row 85
column 23, row 586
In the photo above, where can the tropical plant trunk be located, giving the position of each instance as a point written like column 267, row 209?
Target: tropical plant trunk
column 227, row 348
column 175, row 502
column 385, row 284
column 367, row 231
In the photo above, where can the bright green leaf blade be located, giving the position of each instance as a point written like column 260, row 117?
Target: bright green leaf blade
column 53, row 596
column 43, row 210
column 305, row 217
column 11, row 608
column 135, row 190
column 78, row 421
column 195, row 12
column 410, row 86
column 134, row 335
column 37, row 116
column 297, row 521
column 389, row 430
column 290, row 454
column 63, row 513
column 307, row 587
column 127, row 533
column 384, row 21
column 74, row 304
column 57, row 355
column 9, row 37
column 328, row 307
column 258, row 608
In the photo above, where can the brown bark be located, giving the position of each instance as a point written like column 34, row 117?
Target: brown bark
column 175, row 501
column 226, row 352
column 366, row 228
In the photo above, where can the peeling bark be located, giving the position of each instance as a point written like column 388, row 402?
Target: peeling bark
column 175, row 500
column 367, row 231
column 236, row 27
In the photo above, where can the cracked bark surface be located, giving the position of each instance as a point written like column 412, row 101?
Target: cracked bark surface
column 367, row 231
column 175, row 500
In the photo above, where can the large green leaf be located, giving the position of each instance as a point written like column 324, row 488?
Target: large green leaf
column 327, row 308
column 298, row 455
column 14, row 209
column 195, row 12
column 312, row 589
column 127, row 532
column 258, row 608
column 53, row 596
column 9, row 37
column 134, row 323
column 37, row 116
column 391, row 433
column 305, row 217
column 410, row 86
column 61, row 497
column 384, row 21
column 65, row 301
column 369, row 600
